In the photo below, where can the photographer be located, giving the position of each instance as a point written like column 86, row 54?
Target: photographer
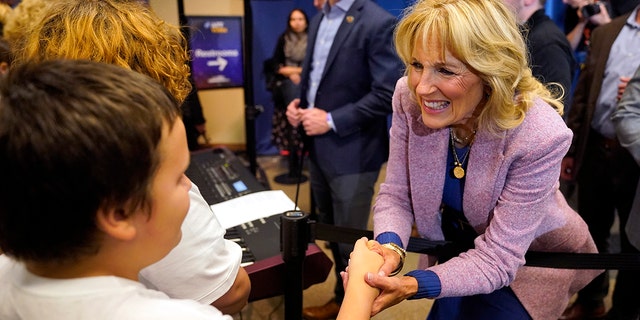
column 580, row 19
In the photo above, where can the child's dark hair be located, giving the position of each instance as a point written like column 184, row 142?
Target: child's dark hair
column 75, row 137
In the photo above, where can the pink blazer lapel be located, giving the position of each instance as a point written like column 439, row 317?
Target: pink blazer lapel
column 427, row 156
column 485, row 178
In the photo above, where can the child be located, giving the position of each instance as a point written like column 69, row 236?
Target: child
column 92, row 159
column 359, row 296
column 205, row 266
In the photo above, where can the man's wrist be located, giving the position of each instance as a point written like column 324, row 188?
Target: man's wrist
column 330, row 123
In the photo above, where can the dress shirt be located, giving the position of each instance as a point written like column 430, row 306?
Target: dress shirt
column 333, row 17
column 626, row 118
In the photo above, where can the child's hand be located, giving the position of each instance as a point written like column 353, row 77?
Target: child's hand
column 374, row 246
column 364, row 251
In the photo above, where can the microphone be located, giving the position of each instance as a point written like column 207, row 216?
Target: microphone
column 306, row 142
column 305, row 148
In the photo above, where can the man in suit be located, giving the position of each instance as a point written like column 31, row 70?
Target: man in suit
column 605, row 172
column 551, row 56
column 625, row 119
column 348, row 78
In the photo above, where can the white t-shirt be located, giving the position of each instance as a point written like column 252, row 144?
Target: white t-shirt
column 26, row 296
column 204, row 265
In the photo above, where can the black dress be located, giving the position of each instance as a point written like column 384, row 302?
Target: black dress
column 283, row 91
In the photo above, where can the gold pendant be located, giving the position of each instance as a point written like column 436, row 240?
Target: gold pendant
column 458, row 171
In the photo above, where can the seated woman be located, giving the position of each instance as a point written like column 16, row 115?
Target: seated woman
column 286, row 65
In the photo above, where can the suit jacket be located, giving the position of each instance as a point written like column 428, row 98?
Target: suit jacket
column 356, row 87
column 551, row 54
column 588, row 87
column 626, row 119
column 511, row 198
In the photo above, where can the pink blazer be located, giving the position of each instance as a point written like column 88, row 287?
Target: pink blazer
column 511, row 198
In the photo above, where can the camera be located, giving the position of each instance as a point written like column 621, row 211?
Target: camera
column 590, row 10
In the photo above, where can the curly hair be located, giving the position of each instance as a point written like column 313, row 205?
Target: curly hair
column 484, row 35
column 5, row 11
column 18, row 20
column 124, row 33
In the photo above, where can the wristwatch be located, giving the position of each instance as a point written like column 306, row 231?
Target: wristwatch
column 401, row 252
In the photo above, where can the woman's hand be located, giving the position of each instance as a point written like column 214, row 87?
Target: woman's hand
column 295, row 78
column 391, row 261
column 293, row 73
column 393, row 290
column 288, row 71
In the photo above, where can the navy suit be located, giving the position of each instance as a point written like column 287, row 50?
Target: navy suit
column 356, row 88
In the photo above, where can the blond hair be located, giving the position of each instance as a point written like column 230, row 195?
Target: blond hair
column 5, row 11
column 19, row 20
column 484, row 35
column 124, row 33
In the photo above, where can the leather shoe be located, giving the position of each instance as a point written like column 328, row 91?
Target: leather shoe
column 327, row 311
column 579, row 311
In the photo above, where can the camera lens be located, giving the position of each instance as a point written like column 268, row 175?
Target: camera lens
column 590, row 10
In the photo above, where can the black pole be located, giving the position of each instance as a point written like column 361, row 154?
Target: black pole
column 294, row 239
column 295, row 175
column 182, row 18
column 250, row 110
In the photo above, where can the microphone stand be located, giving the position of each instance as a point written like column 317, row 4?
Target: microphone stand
column 294, row 241
column 295, row 174
column 295, row 235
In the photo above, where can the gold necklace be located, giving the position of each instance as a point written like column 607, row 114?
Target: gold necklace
column 458, row 171
column 464, row 140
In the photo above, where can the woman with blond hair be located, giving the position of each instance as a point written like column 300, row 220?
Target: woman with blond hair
column 476, row 145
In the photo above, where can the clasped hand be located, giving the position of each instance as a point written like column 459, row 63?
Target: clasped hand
column 313, row 120
column 392, row 290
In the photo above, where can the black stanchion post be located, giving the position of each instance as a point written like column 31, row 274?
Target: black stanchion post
column 295, row 175
column 294, row 240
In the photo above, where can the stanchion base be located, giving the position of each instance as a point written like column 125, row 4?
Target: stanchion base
column 288, row 178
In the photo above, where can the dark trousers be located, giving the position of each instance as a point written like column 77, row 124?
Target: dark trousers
column 607, row 184
column 501, row 304
column 342, row 201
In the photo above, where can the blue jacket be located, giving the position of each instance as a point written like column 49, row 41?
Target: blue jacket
column 356, row 88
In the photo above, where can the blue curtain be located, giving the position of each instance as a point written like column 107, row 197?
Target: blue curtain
column 555, row 10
